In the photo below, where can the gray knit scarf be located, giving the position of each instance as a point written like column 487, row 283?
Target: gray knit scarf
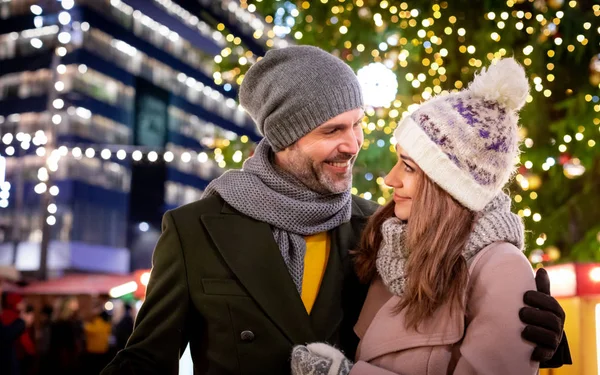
column 266, row 193
column 494, row 224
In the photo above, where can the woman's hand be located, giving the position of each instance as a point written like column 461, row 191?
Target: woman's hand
column 319, row 359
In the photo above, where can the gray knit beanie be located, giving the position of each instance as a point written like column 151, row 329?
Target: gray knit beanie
column 293, row 90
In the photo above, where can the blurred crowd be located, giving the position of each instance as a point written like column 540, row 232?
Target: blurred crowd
column 58, row 338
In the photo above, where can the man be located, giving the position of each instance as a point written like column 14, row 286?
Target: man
column 262, row 261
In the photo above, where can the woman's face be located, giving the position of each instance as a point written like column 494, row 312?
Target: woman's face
column 404, row 178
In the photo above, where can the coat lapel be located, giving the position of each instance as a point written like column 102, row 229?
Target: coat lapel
column 254, row 257
column 326, row 314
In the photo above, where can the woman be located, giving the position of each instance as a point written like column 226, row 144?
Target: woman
column 444, row 259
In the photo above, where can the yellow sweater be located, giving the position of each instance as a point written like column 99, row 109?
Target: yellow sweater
column 97, row 333
column 315, row 262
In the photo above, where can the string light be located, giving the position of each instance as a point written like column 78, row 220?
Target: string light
column 67, row 4
column 58, row 103
column 64, row 18
column 106, row 154
column 64, row 37
column 54, row 191
column 36, row 9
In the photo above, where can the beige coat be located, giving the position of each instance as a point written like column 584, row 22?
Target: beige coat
column 484, row 341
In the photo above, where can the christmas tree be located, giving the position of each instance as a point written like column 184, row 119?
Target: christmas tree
column 406, row 52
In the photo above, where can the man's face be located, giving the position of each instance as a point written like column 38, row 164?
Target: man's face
column 323, row 158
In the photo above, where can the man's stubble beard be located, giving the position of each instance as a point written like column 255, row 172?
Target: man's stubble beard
column 314, row 176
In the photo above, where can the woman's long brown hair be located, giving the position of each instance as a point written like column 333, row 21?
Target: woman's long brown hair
column 437, row 232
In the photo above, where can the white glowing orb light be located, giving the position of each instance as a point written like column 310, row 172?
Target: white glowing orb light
column 563, row 280
column 64, row 18
column 573, row 168
column 168, row 156
column 76, row 152
column 64, row 37
column 379, row 85
column 54, row 191
column 7, row 138
column 145, row 278
column 36, row 9
column 595, row 274
column 36, row 43
column 51, row 220
column 67, row 4
column 40, row 188
column 237, row 156
column 202, row 157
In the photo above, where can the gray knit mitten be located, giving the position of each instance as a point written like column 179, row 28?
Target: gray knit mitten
column 319, row 359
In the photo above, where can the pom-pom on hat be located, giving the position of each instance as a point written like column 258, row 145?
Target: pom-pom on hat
column 467, row 142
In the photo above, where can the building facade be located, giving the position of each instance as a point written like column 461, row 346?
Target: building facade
column 109, row 116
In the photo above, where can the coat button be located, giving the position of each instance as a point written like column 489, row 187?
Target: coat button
column 247, row 336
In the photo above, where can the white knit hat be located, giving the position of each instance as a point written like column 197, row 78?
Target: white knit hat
column 467, row 142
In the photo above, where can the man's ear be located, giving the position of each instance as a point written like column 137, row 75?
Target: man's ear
column 280, row 158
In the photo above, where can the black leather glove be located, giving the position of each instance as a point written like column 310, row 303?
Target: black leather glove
column 545, row 320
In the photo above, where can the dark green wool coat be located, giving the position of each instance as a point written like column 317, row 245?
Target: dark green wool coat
column 220, row 283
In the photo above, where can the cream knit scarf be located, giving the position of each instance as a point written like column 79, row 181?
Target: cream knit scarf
column 494, row 224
